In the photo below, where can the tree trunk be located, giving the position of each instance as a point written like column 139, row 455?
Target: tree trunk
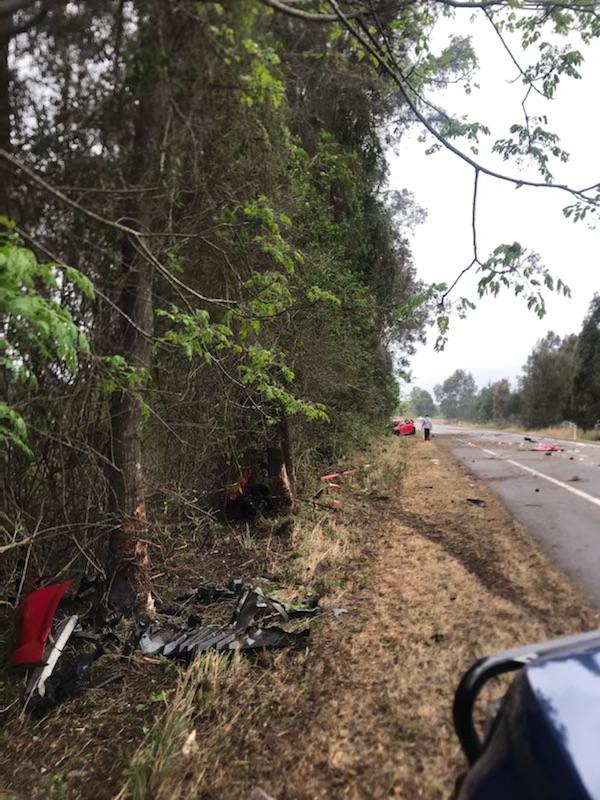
column 5, row 128
column 128, row 562
column 279, row 459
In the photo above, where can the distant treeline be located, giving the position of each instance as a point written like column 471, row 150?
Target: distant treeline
column 560, row 382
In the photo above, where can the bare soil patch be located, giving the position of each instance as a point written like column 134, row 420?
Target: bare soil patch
column 429, row 582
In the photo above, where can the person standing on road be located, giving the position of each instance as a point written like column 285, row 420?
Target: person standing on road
column 426, row 427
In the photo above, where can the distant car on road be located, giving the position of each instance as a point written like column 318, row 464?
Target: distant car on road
column 403, row 427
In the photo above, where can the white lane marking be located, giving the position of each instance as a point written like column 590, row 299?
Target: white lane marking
column 584, row 495
column 483, row 432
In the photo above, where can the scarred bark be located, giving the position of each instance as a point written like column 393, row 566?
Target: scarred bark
column 281, row 470
column 128, row 561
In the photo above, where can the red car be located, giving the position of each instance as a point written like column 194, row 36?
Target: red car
column 403, row 427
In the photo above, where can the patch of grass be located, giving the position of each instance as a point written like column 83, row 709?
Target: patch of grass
column 161, row 768
column 323, row 545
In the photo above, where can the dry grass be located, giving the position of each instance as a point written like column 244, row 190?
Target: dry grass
column 170, row 762
column 435, row 583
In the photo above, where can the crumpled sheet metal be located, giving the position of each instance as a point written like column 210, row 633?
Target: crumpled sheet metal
column 243, row 632
column 200, row 640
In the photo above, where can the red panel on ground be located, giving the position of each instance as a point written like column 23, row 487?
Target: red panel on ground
column 35, row 621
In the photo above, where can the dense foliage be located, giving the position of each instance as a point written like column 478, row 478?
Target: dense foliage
column 217, row 173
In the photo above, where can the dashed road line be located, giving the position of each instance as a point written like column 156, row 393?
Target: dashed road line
column 584, row 495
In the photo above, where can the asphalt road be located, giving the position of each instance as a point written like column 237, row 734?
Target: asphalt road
column 556, row 497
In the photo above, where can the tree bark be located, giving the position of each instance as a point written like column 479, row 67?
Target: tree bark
column 280, row 466
column 5, row 124
column 128, row 561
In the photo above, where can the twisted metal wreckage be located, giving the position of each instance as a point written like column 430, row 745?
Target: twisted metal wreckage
column 54, row 629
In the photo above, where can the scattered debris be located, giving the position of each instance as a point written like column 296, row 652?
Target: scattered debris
column 35, row 622
column 244, row 632
column 260, row 794
column 332, row 475
column 571, row 458
column 475, row 501
column 529, row 439
column 57, row 642
column 382, row 498
column 210, row 594
column 537, row 490
column 190, row 746
column 548, row 448
column 338, row 612
column 574, row 479
column 247, row 499
column 71, row 679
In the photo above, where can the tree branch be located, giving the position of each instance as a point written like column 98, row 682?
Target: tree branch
column 522, row 72
column 408, row 92
column 137, row 236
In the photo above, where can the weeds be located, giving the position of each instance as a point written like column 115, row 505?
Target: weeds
column 161, row 768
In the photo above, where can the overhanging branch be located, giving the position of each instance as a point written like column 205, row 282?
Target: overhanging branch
column 408, row 93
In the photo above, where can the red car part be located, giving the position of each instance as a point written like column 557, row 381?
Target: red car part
column 35, row 621
column 239, row 488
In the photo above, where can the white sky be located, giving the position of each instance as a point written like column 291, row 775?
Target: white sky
column 495, row 340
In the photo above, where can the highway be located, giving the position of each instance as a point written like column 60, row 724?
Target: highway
column 556, row 497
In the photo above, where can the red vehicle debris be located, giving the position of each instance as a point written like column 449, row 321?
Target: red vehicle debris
column 403, row 427
column 36, row 616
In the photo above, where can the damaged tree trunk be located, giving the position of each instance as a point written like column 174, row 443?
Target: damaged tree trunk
column 279, row 459
column 128, row 561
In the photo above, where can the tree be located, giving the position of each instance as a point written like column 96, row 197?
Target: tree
column 218, row 172
column 495, row 402
column 16, row 17
column 456, row 396
column 501, row 393
column 586, row 381
column 547, row 380
column 248, row 267
column 421, row 402
column 484, row 407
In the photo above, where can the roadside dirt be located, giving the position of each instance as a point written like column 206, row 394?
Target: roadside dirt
column 449, row 582
column 429, row 582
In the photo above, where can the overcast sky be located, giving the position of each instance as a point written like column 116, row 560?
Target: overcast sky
column 495, row 340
